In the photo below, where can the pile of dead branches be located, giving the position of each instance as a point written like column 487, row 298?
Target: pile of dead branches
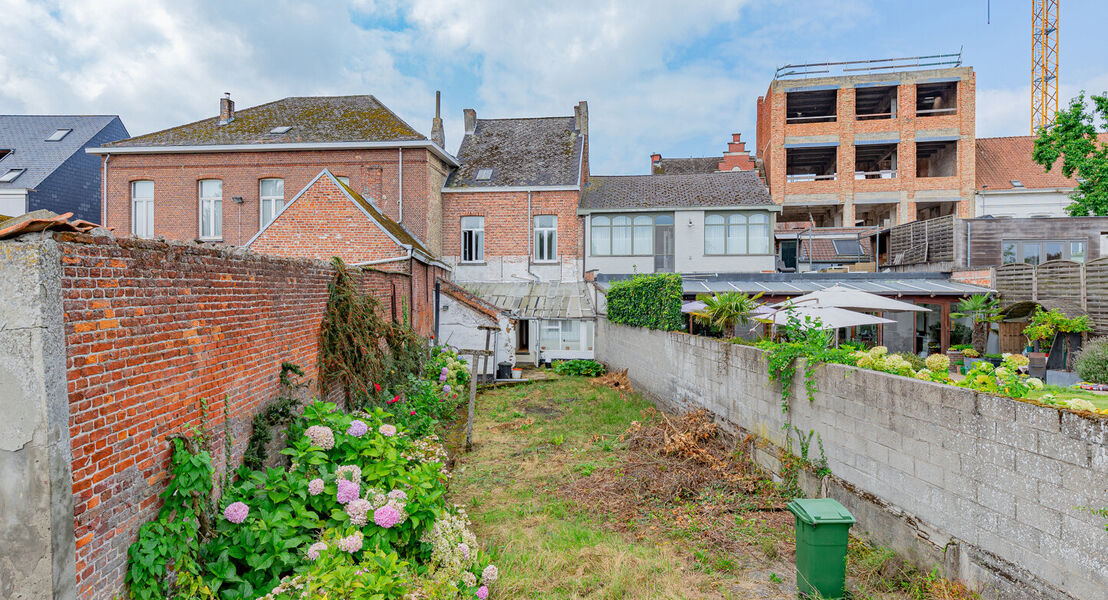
column 617, row 380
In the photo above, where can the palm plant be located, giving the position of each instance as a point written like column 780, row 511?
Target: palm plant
column 983, row 309
column 728, row 310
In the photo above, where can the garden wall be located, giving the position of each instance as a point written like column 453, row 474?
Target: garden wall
column 987, row 488
column 145, row 330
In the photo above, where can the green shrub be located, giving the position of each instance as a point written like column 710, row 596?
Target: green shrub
column 1092, row 361
column 916, row 362
column 584, row 367
column 651, row 301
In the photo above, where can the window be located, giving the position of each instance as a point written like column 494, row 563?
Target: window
column 1016, row 183
column 848, row 248
column 142, row 208
column 280, row 130
column 937, row 158
column 473, row 239
column 736, row 233
column 875, row 102
column 601, row 232
column 484, row 174
column 211, row 209
column 272, row 199
column 10, row 175
column 934, row 99
column 815, row 106
column 58, row 135
column 1034, row 252
column 546, row 238
column 818, row 163
column 623, row 235
column 642, row 235
column 562, row 334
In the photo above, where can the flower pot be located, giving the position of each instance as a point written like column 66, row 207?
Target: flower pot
column 517, row 373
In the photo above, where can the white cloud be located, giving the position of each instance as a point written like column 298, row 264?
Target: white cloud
column 1007, row 111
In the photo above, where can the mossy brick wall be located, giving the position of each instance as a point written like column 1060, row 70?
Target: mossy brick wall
column 373, row 173
column 985, row 487
column 151, row 328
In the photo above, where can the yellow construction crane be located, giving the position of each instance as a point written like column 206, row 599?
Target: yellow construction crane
column 1044, row 63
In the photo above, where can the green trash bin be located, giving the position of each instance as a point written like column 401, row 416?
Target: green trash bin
column 822, row 532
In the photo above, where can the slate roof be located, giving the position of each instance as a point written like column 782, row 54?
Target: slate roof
column 543, row 151
column 999, row 160
column 25, row 136
column 533, row 300
column 685, row 166
column 314, row 119
column 737, row 188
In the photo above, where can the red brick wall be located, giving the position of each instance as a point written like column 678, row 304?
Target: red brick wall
column 374, row 173
column 151, row 329
column 507, row 228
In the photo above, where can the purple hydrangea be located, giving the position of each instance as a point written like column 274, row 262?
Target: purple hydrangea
column 357, row 428
column 386, row 516
column 322, row 437
column 351, row 543
column 315, row 486
column 483, row 592
column 315, row 549
column 347, row 491
column 444, row 374
column 398, row 495
column 464, row 549
column 387, row 430
column 236, row 512
column 446, row 388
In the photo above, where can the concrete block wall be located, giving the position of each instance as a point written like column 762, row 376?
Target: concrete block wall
column 987, row 488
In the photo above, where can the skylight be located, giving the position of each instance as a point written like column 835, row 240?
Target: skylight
column 11, row 175
column 58, row 135
column 848, row 247
column 484, row 174
column 1016, row 183
column 281, row 129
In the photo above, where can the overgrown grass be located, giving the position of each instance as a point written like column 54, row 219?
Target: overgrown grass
column 1065, row 393
column 534, row 443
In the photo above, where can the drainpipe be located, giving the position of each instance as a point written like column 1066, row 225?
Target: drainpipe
column 104, row 191
column 969, row 248
column 530, row 236
column 400, row 176
column 437, row 308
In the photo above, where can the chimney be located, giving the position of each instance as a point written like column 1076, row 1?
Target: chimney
column 470, row 120
column 655, row 163
column 581, row 117
column 226, row 109
column 437, row 135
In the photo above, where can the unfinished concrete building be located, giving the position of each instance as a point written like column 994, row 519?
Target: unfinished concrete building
column 869, row 143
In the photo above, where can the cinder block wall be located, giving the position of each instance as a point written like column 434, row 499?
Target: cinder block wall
column 987, row 488
column 145, row 330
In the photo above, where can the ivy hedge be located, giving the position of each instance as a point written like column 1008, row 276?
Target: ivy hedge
column 652, row 301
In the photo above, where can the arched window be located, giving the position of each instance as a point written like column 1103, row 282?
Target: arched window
column 621, row 235
column 601, row 236
column 736, row 233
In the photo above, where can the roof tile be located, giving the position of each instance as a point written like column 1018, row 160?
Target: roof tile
column 736, row 188
column 543, row 151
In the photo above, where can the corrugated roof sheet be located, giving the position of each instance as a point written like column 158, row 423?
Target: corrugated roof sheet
column 999, row 160
column 521, row 152
column 25, row 136
column 547, row 300
column 313, row 119
column 733, row 188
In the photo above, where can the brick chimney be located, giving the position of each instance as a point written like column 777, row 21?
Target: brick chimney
column 581, row 117
column 437, row 135
column 226, row 109
column 470, row 117
column 655, row 163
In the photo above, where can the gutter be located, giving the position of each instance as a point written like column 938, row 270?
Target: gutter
column 766, row 207
column 511, row 188
column 279, row 147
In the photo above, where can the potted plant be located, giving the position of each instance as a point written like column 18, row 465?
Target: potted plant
column 984, row 310
column 1044, row 328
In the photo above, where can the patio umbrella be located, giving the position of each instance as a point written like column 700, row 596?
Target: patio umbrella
column 693, row 307
column 841, row 296
column 830, row 317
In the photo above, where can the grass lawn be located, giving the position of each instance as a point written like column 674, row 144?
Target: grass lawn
column 570, row 507
column 1099, row 399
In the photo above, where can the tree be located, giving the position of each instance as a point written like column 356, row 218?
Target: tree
column 1073, row 138
column 983, row 309
column 728, row 310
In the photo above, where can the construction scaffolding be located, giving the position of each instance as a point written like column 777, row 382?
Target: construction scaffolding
column 878, row 64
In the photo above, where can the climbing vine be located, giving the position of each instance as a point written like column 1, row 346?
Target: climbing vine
column 278, row 414
column 802, row 338
column 792, row 464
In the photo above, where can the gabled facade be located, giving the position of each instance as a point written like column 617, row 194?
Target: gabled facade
column 1011, row 184
column 223, row 178
column 44, row 166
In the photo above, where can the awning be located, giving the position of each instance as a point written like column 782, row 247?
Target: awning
column 841, row 296
column 535, row 300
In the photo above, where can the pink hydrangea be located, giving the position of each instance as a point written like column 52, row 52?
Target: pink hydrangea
column 348, row 491
column 398, row 495
column 387, row 516
column 358, row 509
column 321, row 436
column 357, row 428
column 351, row 472
column 446, row 389
column 490, row 574
column 387, row 430
column 315, row 486
column 351, row 543
column 236, row 512
column 483, row 592
column 464, row 549
column 315, row 549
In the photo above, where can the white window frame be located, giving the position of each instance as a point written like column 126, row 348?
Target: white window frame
column 476, row 243
column 216, row 233
column 142, row 211
column 276, row 202
column 734, row 223
column 556, row 334
column 541, row 235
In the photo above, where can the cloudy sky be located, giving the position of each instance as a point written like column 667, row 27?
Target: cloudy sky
column 673, row 77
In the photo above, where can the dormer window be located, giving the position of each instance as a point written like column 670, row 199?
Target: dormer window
column 484, row 174
column 280, row 130
column 11, row 175
column 58, row 135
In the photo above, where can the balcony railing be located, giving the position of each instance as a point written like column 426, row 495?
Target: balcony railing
column 810, row 177
column 883, row 174
column 931, row 112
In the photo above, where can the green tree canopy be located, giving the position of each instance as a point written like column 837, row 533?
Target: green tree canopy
column 1073, row 138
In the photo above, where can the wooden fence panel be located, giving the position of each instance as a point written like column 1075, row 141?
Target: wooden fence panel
column 1014, row 283
column 1096, row 294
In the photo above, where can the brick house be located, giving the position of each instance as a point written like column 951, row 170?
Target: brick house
column 327, row 219
column 876, row 148
column 223, row 178
column 735, row 158
column 43, row 163
column 512, row 234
